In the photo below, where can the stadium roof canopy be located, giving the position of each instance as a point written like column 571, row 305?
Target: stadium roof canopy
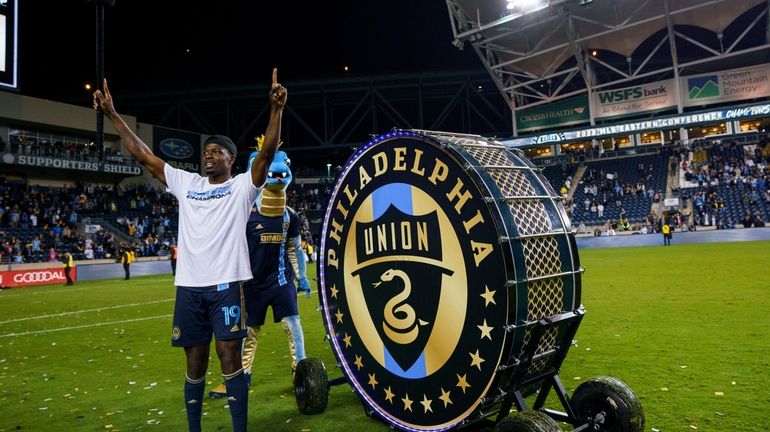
column 553, row 49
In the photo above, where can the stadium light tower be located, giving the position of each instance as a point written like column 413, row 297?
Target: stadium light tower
column 100, row 4
column 525, row 6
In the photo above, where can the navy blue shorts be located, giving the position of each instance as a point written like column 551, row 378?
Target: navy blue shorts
column 283, row 300
column 201, row 311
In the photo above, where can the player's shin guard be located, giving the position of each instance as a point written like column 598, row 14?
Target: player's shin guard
column 237, row 399
column 294, row 335
column 248, row 351
column 193, row 398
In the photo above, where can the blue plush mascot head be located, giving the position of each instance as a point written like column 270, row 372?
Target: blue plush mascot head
column 279, row 174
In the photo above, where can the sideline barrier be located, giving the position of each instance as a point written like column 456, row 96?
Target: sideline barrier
column 35, row 276
column 53, row 273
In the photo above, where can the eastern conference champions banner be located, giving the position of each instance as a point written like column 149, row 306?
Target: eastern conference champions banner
column 730, row 85
column 178, row 148
column 631, row 100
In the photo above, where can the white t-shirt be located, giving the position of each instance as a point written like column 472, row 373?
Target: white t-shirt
column 212, row 227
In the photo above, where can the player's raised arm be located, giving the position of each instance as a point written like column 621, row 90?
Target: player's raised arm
column 135, row 146
column 278, row 95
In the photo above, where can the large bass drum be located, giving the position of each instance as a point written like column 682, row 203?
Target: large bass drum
column 437, row 252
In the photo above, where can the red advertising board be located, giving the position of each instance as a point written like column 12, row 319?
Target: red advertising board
column 45, row 276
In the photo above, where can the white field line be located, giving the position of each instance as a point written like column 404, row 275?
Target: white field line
column 82, row 326
column 83, row 311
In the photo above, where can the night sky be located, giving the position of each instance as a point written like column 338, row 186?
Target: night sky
column 179, row 45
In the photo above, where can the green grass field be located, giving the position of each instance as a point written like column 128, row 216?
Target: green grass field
column 686, row 327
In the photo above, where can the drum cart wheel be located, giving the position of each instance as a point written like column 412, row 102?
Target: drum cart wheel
column 311, row 386
column 610, row 404
column 528, row 421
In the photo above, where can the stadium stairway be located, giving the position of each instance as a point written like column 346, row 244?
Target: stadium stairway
column 576, row 181
column 116, row 232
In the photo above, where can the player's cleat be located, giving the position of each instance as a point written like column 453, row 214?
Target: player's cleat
column 218, row 392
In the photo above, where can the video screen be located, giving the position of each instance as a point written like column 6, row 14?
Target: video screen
column 8, row 44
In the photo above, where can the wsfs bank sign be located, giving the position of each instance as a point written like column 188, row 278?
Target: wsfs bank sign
column 409, row 263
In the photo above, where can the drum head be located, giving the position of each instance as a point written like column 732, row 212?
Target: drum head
column 420, row 281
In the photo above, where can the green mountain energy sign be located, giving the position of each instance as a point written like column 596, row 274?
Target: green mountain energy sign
column 703, row 87
column 725, row 86
column 559, row 113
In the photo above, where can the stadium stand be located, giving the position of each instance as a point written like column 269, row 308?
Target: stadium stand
column 623, row 186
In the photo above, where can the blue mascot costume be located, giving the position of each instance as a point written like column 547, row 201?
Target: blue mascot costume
column 273, row 233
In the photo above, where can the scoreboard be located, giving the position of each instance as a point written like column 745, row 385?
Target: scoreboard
column 9, row 12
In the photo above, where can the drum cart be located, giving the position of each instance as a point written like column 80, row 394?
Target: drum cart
column 499, row 282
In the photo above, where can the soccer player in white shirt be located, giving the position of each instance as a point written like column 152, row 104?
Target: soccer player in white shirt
column 213, row 256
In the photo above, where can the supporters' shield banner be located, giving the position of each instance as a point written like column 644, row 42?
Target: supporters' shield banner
column 178, row 148
column 416, row 286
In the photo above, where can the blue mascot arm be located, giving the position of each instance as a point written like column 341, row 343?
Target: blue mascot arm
column 303, row 285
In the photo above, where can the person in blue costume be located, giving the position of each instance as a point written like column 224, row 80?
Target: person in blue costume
column 273, row 233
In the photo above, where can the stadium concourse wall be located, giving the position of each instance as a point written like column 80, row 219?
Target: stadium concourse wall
column 703, row 236
column 18, row 111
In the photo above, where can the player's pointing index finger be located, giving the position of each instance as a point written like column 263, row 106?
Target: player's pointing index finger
column 275, row 76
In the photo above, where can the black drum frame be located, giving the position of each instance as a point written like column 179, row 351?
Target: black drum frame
column 541, row 383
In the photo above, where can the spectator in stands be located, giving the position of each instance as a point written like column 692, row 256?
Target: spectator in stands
column 36, row 244
column 52, row 256
column 747, row 220
column 213, row 211
column 17, row 257
column 729, row 224
column 27, row 253
column 89, row 252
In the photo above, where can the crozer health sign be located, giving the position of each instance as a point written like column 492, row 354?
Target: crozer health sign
column 417, row 287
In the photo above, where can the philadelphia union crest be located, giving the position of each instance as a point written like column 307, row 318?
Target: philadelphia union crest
column 412, row 282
